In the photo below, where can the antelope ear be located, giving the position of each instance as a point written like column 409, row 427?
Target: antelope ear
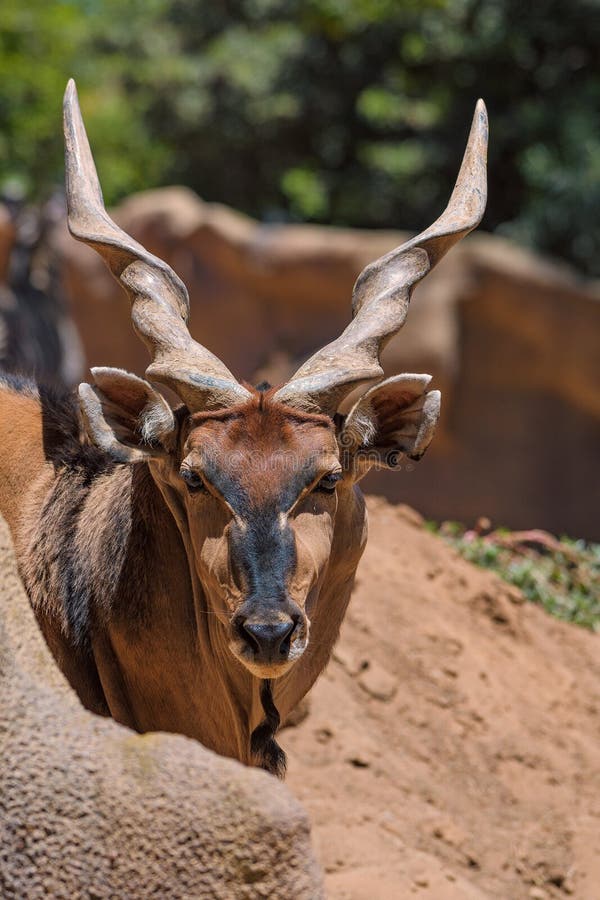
column 396, row 417
column 126, row 417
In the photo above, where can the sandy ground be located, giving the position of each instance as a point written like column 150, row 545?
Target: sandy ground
column 452, row 749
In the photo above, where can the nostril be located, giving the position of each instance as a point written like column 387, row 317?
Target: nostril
column 250, row 639
column 284, row 647
column 245, row 633
column 268, row 640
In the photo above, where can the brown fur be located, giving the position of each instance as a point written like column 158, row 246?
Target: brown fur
column 127, row 577
column 183, row 608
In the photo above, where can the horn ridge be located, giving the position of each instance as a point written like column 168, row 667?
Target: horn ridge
column 382, row 292
column 159, row 299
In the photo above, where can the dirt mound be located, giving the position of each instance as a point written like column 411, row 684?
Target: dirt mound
column 452, row 749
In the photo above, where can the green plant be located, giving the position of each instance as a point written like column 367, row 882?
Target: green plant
column 562, row 575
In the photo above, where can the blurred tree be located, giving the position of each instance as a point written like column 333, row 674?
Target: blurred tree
column 41, row 46
column 352, row 112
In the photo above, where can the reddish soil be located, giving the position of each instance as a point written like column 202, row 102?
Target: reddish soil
column 452, row 749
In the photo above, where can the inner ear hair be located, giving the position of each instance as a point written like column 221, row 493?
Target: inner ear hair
column 134, row 401
column 360, row 429
column 126, row 416
column 394, row 417
column 155, row 424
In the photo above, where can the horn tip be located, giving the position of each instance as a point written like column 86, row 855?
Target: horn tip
column 85, row 390
column 481, row 117
column 70, row 91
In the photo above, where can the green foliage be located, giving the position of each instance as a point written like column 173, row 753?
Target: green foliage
column 353, row 112
column 563, row 576
column 42, row 45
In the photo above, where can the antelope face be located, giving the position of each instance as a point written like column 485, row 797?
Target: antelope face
column 255, row 488
column 259, row 487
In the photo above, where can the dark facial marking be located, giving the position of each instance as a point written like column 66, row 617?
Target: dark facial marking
column 264, row 554
column 263, row 549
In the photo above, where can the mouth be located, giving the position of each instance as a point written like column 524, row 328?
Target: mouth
column 265, row 670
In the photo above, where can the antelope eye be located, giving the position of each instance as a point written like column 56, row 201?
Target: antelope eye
column 193, row 481
column 328, row 482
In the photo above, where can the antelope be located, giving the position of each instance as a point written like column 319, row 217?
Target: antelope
column 190, row 563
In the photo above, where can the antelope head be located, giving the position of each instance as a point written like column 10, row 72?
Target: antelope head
column 256, row 479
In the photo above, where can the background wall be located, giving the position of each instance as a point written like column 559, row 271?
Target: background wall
column 511, row 340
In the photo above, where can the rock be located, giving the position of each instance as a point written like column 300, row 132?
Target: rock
column 378, row 683
column 359, row 762
column 537, row 893
column 499, row 607
column 450, row 832
column 348, row 660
